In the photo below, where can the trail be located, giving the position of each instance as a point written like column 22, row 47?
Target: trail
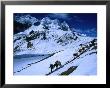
column 30, row 64
column 69, row 61
column 42, row 68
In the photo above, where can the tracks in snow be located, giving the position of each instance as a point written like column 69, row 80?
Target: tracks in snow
column 71, row 61
column 28, row 65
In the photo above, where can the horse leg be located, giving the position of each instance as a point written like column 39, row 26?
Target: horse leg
column 51, row 69
column 56, row 66
column 60, row 65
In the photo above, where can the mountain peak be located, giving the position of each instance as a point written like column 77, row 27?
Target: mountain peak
column 46, row 20
column 26, row 19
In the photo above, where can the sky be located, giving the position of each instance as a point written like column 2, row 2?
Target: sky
column 85, row 23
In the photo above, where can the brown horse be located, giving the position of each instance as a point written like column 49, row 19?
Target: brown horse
column 75, row 55
column 57, row 64
column 51, row 67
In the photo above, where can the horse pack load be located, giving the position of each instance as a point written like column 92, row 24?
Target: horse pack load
column 57, row 64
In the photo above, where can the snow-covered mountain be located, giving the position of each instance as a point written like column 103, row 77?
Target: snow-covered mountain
column 47, row 41
column 47, row 34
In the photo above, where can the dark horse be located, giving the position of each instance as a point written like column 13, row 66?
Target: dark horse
column 57, row 63
column 51, row 67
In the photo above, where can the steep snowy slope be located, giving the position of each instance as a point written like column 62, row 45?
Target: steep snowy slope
column 86, row 65
column 63, row 56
